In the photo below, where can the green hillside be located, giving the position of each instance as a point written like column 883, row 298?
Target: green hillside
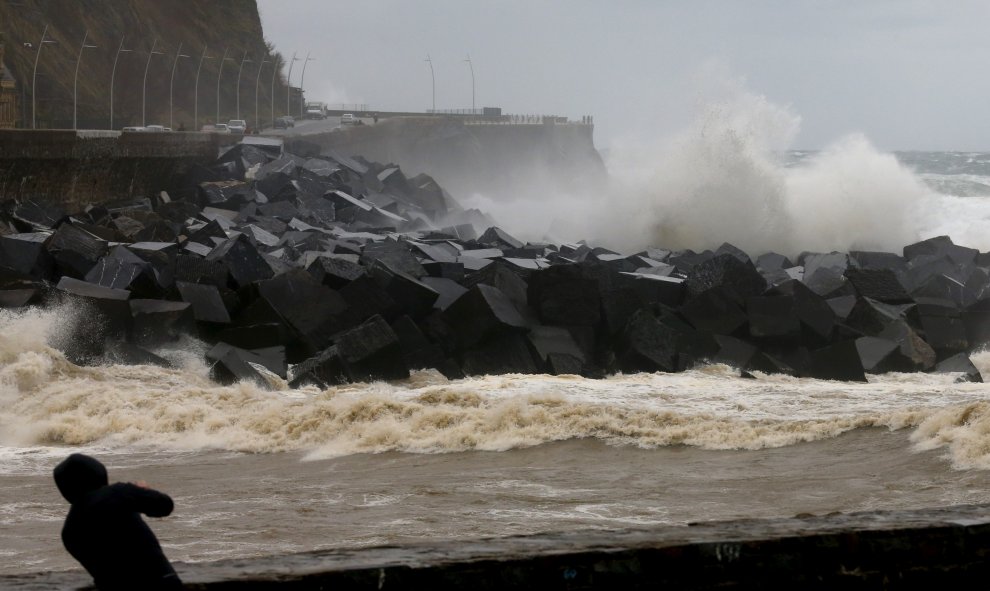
column 216, row 25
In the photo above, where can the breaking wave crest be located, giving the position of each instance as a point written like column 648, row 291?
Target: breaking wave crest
column 47, row 401
column 728, row 177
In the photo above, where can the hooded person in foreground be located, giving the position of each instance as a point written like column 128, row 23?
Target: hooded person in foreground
column 104, row 530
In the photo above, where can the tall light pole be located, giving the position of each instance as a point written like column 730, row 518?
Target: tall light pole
column 257, row 81
column 434, row 79
column 471, row 65
column 171, row 83
column 272, row 92
column 302, row 80
column 288, row 84
column 244, row 60
column 34, row 77
column 196, row 88
column 223, row 60
column 113, row 73
column 75, row 81
column 144, row 86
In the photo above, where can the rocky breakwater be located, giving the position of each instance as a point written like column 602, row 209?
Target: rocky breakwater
column 346, row 270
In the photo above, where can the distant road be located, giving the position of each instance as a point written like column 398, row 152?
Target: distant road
column 310, row 126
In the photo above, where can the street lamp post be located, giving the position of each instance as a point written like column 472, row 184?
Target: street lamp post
column 257, row 81
column 113, row 73
column 171, row 83
column 223, row 60
column 471, row 65
column 144, row 86
column 75, row 81
column 288, row 84
column 434, row 79
column 302, row 80
column 239, row 70
column 34, row 77
column 272, row 91
column 196, row 88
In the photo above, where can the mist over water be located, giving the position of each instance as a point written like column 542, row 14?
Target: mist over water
column 730, row 176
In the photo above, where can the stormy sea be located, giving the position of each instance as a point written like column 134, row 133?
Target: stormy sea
column 256, row 472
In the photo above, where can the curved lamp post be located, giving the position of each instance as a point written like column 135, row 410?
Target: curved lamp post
column 244, row 60
column 272, row 92
column 434, row 79
column 171, row 83
column 288, row 84
column 34, row 77
column 257, row 81
column 113, row 73
column 302, row 80
column 75, row 81
column 144, row 87
column 471, row 65
column 196, row 90
column 223, row 60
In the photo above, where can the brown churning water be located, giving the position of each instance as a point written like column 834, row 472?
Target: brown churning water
column 257, row 472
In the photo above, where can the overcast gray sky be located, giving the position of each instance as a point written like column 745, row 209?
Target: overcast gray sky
column 910, row 74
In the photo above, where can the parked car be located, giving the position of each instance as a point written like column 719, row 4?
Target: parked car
column 155, row 128
column 348, row 119
column 237, row 126
column 134, row 128
column 285, row 122
column 221, row 128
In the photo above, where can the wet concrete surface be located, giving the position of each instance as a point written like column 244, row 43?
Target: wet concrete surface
column 870, row 550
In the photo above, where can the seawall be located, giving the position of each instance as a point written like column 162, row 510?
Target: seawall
column 929, row 548
column 465, row 157
column 73, row 169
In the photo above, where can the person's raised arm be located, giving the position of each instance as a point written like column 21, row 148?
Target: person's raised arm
column 144, row 499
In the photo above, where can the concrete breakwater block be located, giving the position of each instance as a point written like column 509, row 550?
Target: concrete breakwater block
column 353, row 271
column 368, row 352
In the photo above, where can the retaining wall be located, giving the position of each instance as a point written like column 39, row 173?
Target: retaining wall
column 496, row 159
column 74, row 169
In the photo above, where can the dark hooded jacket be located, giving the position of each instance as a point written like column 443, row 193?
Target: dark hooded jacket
column 104, row 530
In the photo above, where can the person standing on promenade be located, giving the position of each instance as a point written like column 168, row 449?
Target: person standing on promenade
column 104, row 530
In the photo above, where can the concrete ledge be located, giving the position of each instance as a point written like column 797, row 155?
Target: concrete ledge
column 876, row 550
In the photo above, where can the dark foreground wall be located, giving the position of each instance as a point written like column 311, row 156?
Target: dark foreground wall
column 922, row 549
column 74, row 169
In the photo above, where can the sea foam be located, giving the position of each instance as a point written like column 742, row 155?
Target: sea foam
column 49, row 402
